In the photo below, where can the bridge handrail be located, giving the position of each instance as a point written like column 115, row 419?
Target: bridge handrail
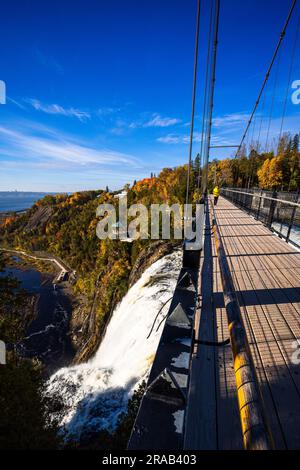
column 281, row 216
column 262, row 196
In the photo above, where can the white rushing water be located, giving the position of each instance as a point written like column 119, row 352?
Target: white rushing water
column 96, row 392
column 283, row 230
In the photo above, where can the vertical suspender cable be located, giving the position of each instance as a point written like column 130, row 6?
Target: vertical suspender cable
column 204, row 110
column 193, row 102
column 253, row 133
column 261, row 122
column 289, row 78
column 282, row 34
column 211, row 97
column 272, row 102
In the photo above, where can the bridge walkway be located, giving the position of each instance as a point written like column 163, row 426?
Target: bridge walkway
column 266, row 274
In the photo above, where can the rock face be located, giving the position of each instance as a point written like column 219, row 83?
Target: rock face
column 39, row 218
column 85, row 339
column 78, row 323
column 148, row 256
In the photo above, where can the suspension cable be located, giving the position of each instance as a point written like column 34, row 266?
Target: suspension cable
column 193, row 101
column 261, row 121
column 282, row 34
column 253, row 132
column 289, row 78
column 272, row 101
column 204, row 110
column 211, row 97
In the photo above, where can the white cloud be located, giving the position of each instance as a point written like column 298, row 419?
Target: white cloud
column 117, row 130
column 185, row 139
column 133, row 125
column 179, row 139
column 156, row 120
column 47, row 147
column 225, row 126
column 106, row 111
column 58, row 109
column 159, row 121
column 236, row 119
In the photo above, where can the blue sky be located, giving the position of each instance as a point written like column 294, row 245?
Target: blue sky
column 99, row 92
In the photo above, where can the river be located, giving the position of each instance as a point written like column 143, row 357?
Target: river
column 46, row 337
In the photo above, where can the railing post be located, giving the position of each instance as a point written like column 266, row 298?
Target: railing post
column 250, row 204
column 292, row 220
column 281, row 223
column 259, row 204
column 272, row 209
column 244, row 204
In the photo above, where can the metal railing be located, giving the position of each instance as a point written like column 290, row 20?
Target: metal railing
column 278, row 210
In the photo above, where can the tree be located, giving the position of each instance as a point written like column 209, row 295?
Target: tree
column 197, row 164
column 270, row 174
column 264, row 174
column 294, row 180
column 244, row 170
column 276, row 172
column 295, row 143
column 24, row 422
column 225, row 174
column 283, row 144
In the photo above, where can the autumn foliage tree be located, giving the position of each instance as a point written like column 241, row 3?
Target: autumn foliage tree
column 278, row 169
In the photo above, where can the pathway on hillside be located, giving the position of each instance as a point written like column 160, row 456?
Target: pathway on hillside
column 62, row 266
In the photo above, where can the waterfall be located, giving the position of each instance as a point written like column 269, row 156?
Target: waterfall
column 95, row 393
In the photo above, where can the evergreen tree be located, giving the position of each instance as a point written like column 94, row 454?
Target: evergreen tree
column 295, row 143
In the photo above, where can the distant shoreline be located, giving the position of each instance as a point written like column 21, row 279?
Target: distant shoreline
column 12, row 202
column 9, row 212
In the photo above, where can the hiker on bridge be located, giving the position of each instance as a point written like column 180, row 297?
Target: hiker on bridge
column 216, row 194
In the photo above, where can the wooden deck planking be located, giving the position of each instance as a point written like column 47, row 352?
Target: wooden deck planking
column 269, row 295
column 266, row 274
column 212, row 416
column 201, row 422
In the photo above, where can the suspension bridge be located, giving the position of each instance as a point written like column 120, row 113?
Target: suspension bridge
column 227, row 369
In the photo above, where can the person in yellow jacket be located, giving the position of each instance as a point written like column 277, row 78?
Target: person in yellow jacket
column 216, row 194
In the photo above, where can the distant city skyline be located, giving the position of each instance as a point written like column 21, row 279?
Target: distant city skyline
column 99, row 93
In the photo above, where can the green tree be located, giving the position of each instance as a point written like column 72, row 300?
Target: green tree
column 24, row 417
